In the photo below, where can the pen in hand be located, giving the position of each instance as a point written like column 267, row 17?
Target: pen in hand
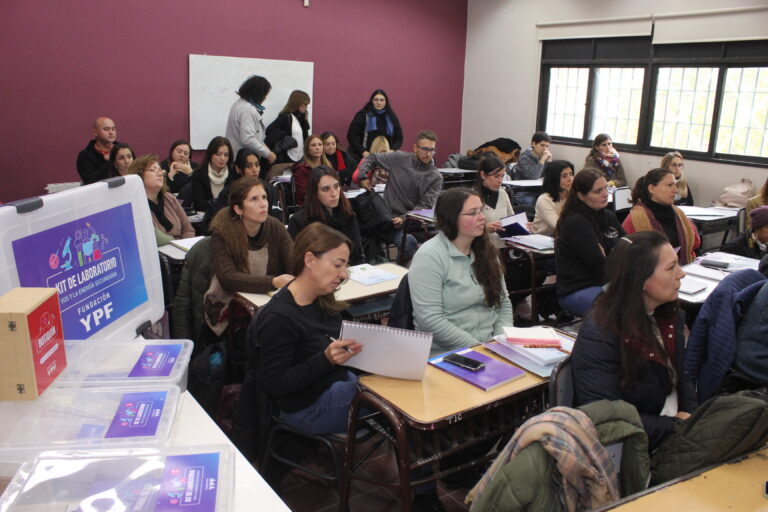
column 334, row 339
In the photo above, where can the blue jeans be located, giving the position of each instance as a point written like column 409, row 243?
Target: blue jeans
column 329, row 413
column 410, row 244
column 580, row 301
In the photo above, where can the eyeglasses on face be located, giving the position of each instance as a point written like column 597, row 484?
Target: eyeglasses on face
column 426, row 149
column 475, row 212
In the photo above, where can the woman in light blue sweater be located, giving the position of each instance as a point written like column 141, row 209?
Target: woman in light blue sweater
column 456, row 281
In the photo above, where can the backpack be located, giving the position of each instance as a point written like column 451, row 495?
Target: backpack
column 736, row 194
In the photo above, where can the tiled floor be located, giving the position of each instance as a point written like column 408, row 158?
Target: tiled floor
column 302, row 494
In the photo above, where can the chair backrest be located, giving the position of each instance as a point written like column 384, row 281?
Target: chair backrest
column 561, row 384
column 401, row 314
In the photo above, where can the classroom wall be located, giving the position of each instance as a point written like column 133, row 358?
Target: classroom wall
column 501, row 78
column 65, row 63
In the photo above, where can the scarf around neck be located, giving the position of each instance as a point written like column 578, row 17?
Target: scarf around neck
column 607, row 163
column 158, row 210
column 372, row 123
column 217, row 179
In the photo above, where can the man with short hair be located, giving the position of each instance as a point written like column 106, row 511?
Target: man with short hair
column 413, row 184
column 531, row 164
column 91, row 161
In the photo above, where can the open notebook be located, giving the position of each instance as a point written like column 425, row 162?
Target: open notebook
column 388, row 351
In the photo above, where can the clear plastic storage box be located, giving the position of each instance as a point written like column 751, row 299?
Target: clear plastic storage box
column 87, row 418
column 125, row 363
column 193, row 479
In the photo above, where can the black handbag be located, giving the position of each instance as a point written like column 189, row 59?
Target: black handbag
column 371, row 211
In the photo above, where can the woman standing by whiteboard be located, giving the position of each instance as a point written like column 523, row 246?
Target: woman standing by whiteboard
column 291, row 123
column 244, row 125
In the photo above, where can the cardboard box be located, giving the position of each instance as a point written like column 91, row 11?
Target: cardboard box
column 31, row 342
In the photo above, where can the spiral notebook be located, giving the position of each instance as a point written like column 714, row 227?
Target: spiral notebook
column 388, row 351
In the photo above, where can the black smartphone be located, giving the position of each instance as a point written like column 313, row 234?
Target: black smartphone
column 464, row 362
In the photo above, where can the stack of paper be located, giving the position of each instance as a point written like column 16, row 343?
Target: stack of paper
column 532, row 336
column 540, row 361
column 185, row 244
column 368, row 274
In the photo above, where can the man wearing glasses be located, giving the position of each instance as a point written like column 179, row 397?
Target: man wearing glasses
column 413, row 184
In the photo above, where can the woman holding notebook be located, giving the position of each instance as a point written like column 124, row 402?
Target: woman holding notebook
column 456, row 279
column 295, row 332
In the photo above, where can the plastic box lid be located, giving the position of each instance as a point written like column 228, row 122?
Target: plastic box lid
column 124, row 363
column 96, row 245
column 88, row 418
column 199, row 479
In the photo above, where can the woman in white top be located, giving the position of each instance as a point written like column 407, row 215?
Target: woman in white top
column 558, row 177
column 496, row 203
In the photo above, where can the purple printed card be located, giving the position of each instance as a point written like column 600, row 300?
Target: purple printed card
column 190, row 483
column 156, row 361
column 138, row 414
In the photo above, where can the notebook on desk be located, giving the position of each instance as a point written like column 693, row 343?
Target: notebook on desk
column 185, row 244
column 494, row 374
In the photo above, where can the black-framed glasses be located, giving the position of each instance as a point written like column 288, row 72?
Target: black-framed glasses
column 426, row 149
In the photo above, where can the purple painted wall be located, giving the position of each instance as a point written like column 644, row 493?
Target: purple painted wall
column 65, row 63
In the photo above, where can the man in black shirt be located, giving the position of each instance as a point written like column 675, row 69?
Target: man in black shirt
column 90, row 161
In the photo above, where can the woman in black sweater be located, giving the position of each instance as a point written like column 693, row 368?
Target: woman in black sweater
column 585, row 235
column 374, row 119
column 296, row 331
column 631, row 345
column 326, row 203
column 290, row 123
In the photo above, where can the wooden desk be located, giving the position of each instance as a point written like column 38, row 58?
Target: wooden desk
column 437, row 417
column 351, row 291
column 738, row 485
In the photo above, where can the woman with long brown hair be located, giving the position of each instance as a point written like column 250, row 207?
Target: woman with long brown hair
column 326, row 203
column 631, row 345
column 295, row 333
column 249, row 250
column 290, row 123
column 456, row 279
column 585, row 234
column 314, row 155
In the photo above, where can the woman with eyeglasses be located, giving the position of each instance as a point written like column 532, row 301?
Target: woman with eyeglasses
column 631, row 345
column 374, row 119
column 178, row 166
column 327, row 204
column 673, row 162
column 313, row 156
column 456, row 278
column 654, row 209
column 213, row 174
column 585, row 234
column 249, row 251
column 603, row 157
column 558, row 178
column 168, row 216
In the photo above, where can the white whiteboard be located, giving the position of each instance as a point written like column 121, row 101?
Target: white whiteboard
column 213, row 85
